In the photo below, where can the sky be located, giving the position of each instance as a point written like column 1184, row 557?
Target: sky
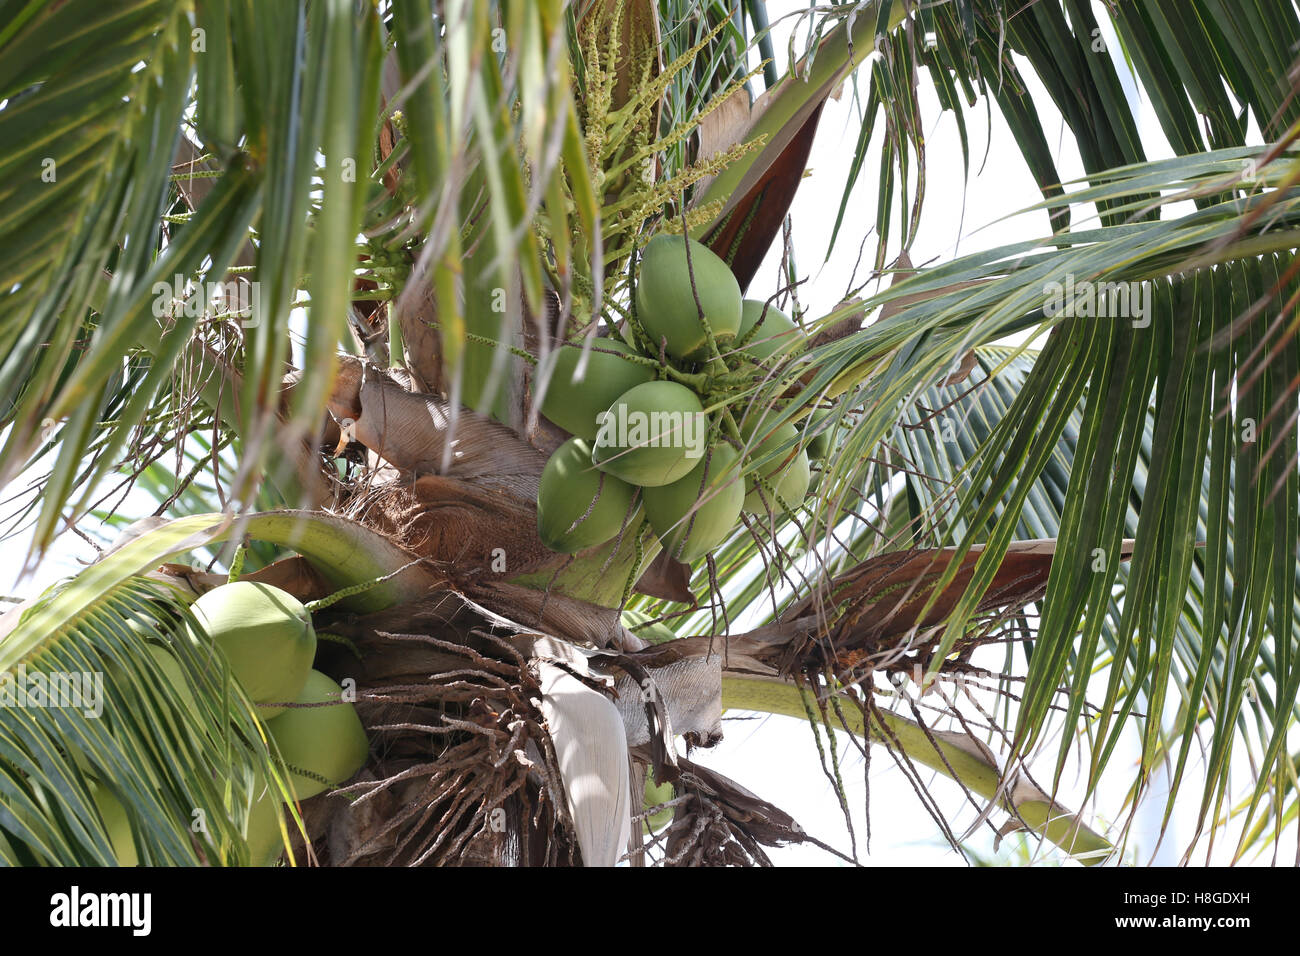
column 777, row 757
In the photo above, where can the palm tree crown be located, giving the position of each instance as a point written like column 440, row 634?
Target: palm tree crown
column 300, row 280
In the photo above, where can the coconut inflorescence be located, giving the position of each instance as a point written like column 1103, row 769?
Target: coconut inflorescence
column 660, row 418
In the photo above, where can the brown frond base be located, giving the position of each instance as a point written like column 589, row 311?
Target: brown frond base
column 717, row 822
column 455, row 523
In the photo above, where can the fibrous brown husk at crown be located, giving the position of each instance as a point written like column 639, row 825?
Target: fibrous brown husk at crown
column 462, row 770
column 419, row 434
column 459, row 489
column 455, row 522
column 472, row 513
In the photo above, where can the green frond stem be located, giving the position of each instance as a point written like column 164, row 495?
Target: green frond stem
column 967, row 765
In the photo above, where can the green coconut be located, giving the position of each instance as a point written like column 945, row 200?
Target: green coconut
column 117, row 824
column 573, row 401
column 321, row 745
column 163, row 656
column 262, row 827
column 267, row 637
column 687, row 531
column 666, row 304
column 652, row 435
column 788, row 474
column 819, row 445
column 654, row 796
column 579, row 506
column 639, row 624
column 263, row 833
column 778, row 335
column 174, row 674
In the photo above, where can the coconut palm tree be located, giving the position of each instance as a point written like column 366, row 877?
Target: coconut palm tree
column 285, row 288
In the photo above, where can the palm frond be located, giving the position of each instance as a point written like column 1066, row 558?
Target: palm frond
column 184, row 757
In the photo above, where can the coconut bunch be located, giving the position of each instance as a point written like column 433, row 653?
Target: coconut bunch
column 267, row 639
column 660, row 419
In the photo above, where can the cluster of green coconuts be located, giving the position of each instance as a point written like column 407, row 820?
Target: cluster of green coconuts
column 268, row 640
column 693, row 502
